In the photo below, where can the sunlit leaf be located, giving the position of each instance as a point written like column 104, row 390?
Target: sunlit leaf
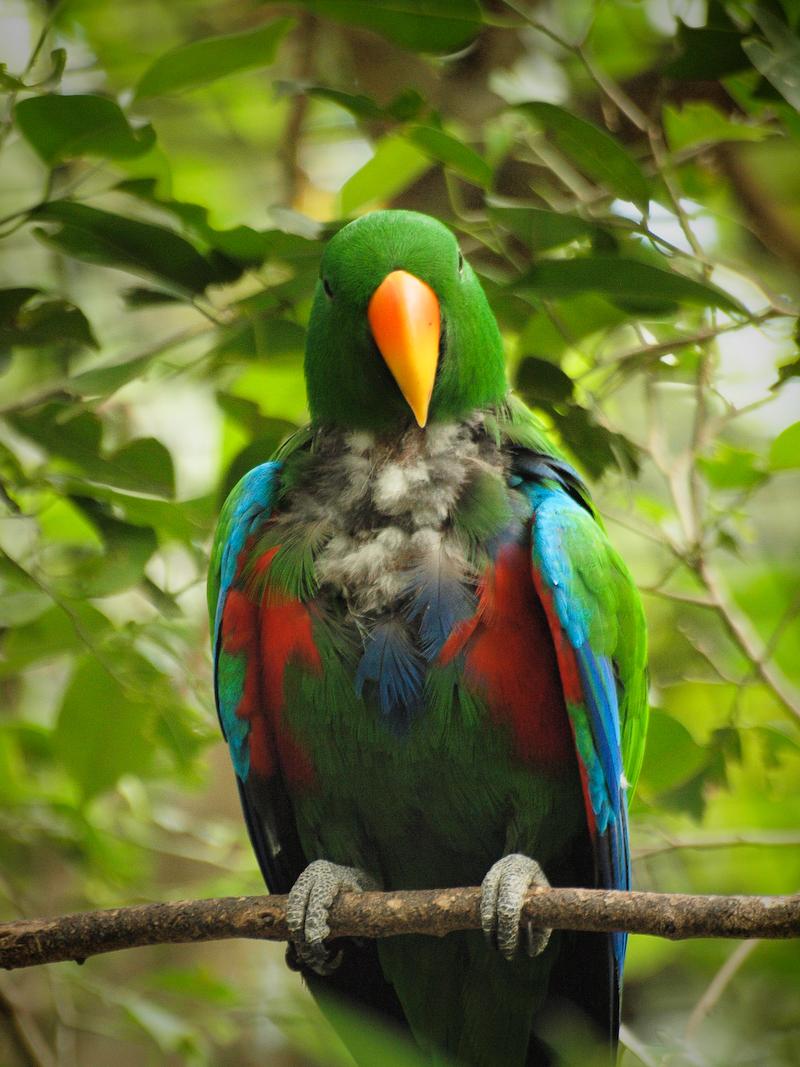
column 785, row 451
column 395, row 164
column 698, row 122
column 202, row 62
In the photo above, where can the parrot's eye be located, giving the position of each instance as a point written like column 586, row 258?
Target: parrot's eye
column 326, row 285
column 460, row 261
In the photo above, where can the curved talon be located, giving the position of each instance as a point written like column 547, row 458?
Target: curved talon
column 308, row 907
column 502, row 894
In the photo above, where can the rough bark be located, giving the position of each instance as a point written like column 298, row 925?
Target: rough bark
column 29, row 942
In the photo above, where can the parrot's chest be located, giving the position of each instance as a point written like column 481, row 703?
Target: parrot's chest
column 423, row 698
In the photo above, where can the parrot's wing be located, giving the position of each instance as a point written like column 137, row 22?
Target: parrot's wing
column 597, row 623
column 235, row 630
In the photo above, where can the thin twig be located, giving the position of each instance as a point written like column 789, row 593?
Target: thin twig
column 718, row 985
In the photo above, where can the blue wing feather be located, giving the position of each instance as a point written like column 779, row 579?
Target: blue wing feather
column 568, row 547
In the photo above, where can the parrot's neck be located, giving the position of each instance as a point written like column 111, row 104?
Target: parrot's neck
column 389, row 506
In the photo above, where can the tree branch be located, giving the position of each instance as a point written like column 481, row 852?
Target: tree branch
column 27, row 942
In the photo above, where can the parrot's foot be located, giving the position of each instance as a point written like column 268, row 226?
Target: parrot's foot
column 307, row 911
column 502, row 894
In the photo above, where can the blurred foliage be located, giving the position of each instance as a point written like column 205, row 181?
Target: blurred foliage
column 625, row 175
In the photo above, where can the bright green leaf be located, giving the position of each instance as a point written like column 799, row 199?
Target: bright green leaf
column 785, row 451
column 394, row 166
column 596, row 153
column 698, row 122
column 68, row 127
column 101, row 732
column 202, row 62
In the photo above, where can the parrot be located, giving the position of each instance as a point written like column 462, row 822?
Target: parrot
column 429, row 662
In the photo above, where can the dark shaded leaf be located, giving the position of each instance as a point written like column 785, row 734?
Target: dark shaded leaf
column 539, row 380
column 202, row 62
column 596, row 153
column 638, row 285
column 36, row 325
column 139, row 297
column 539, row 228
column 115, row 241
column 67, row 127
column 711, row 51
column 438, row 26
column 452, row 153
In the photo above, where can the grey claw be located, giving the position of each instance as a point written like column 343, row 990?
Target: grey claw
column 502, row 893
column 310, row 901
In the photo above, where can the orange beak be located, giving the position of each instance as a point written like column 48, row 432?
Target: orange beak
column 404, row 318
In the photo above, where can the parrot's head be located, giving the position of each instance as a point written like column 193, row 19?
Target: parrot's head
column 400, row 329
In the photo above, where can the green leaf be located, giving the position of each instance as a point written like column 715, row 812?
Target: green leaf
column 21, row 598
column 672, row 756
column 731, row 468
column 202, row 62
column 405, row 106
column 59, row 630
column 709, row 52
column 438, row 26
column 143, row 465
column 241, row 245
column 127, row 550
column 785, row 451
column 395, row 164
column 598, row 155
column 68, row 127
column 698, row 122
column 778, row 61
column 539, row 228
column 625, row 281
column 28, row 324
column 115, row 241
column 452, row 153
column 539, row 380
column 101, row 731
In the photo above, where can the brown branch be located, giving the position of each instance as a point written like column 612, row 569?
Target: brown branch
column 27, row 942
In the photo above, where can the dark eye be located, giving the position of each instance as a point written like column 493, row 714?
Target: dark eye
column 326, row 285
column 460, row 261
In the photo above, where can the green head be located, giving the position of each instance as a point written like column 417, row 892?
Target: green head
column 400, row 328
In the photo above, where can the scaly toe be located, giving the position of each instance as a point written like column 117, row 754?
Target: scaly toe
column 309, row 905
column 502, row 895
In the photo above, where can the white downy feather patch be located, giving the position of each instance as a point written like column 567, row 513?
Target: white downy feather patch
column 387, row 506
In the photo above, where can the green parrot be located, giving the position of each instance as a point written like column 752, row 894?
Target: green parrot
column 430, row 663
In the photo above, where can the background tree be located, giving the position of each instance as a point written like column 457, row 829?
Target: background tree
column 625, row 175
